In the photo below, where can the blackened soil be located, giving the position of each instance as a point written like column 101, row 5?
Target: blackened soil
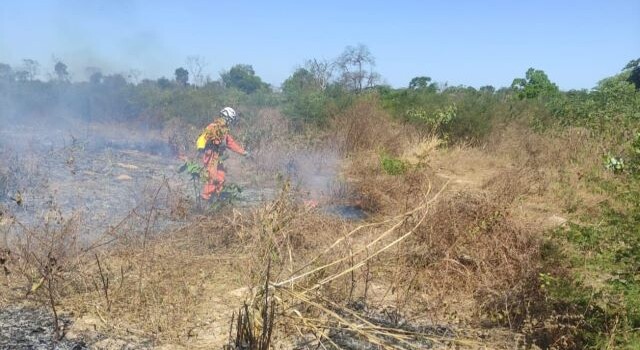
column 27, row 328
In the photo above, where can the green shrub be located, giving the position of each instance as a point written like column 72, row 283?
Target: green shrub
column 393, row 166
column 604, row 281
column 435, row 121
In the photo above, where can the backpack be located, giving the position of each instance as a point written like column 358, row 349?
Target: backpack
column 201, row 142
column 214, row 131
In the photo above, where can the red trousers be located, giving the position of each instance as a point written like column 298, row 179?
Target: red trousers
column 215, row 174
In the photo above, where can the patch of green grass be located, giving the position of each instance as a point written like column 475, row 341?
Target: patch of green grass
column 393, row 166
column 604, row 264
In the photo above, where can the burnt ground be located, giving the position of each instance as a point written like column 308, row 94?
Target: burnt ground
column 100, row 177
column 26, row 328
column 97, row 177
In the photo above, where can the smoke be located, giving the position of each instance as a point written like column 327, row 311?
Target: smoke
column 143, row 51
column 113, row 35
column 315, row 172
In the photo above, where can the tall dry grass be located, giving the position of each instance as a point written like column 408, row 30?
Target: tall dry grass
column 478, row 256
column 365, row 127
column 562, row 162
column 432, row 251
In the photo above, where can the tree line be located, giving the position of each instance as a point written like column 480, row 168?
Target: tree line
column 311, row 95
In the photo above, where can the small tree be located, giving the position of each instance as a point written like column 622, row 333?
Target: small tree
column 356, row 67
column 30, row 68
column 163, row 83
column 535, row 84
column 321, row 70
column 300, row 80
column 182, row 76
column 61, row 71
column 423, row 83
column 243, row 78
column 419, row 83
column 195, row 66
column 305, row 98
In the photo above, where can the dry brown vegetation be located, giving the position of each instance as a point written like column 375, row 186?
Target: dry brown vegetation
column 452, row 245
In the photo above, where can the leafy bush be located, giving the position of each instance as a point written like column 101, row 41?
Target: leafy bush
column 435, row 121
column 307, row 107
column 457, row 113
column 612, row 107
column 393, row 166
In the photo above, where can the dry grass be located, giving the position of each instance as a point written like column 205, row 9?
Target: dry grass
column 365, row 127
column 315, row 294
column 563, row 162
column 447, row 243
column 472, row 249
column 154, row 287
column 421, row 151
column 477, row 256
column 131, row 276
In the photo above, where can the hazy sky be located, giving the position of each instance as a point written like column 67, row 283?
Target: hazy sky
column 460, row 42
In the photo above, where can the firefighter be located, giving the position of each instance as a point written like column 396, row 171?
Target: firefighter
column 215, row 138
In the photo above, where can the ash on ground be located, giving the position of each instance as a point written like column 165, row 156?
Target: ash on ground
column 390, row 322
column 25, row 328
column 97, row 177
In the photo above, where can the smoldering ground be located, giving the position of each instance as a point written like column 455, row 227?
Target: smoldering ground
column 82, row 170
column 101, row 171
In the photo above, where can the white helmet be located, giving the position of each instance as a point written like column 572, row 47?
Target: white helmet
column 228, row 114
